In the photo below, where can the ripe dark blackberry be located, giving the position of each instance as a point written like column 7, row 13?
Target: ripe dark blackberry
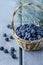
column 31, row 25
column 26, row 25
column 7, row 39
column 38, row 36
column 11, row 37
column 13, row 56
column 6, row 51
column 12, row 49
column 33, row 31
column 2, row 48
column 4, row 35
column 9, row 26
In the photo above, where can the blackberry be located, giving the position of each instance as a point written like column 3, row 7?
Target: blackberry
column 12, row 50
column 7, row 39
column 14, row 56
column 6, row 51
column 38, row 36
column 11, row 37
column 5, row 35
column 9, row 26
column 2, row 48
column 33, row 31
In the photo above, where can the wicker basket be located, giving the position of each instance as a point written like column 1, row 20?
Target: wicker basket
column 26, row 44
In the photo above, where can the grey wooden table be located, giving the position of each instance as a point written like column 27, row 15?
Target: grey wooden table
column 31, row 57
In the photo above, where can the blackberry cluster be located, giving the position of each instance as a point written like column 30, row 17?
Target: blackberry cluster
column 29, row 32
column 12, row 52
column 7, row 39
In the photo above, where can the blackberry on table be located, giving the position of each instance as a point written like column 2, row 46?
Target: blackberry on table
column 11, row 37
column 7, row 39
column 6, row 51
column 4, row 35
column 9, row 26
column 2, row 48
column 14, row 56
column 12, row 49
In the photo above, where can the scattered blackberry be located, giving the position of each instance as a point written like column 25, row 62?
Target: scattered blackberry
column 13, row 56
column 7, row 39
column 2, row 48
column 11, row 37
column 9, row 26
column 5, row 35
column 6, row 51
column 12, row 49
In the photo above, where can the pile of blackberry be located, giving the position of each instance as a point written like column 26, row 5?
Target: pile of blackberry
column 29, row 32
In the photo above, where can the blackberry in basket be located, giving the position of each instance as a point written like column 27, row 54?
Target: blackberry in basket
column 33, row 33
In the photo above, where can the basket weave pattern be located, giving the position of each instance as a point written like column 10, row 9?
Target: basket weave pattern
column 26, row 44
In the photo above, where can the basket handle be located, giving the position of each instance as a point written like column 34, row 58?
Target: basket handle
column 31, row 3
